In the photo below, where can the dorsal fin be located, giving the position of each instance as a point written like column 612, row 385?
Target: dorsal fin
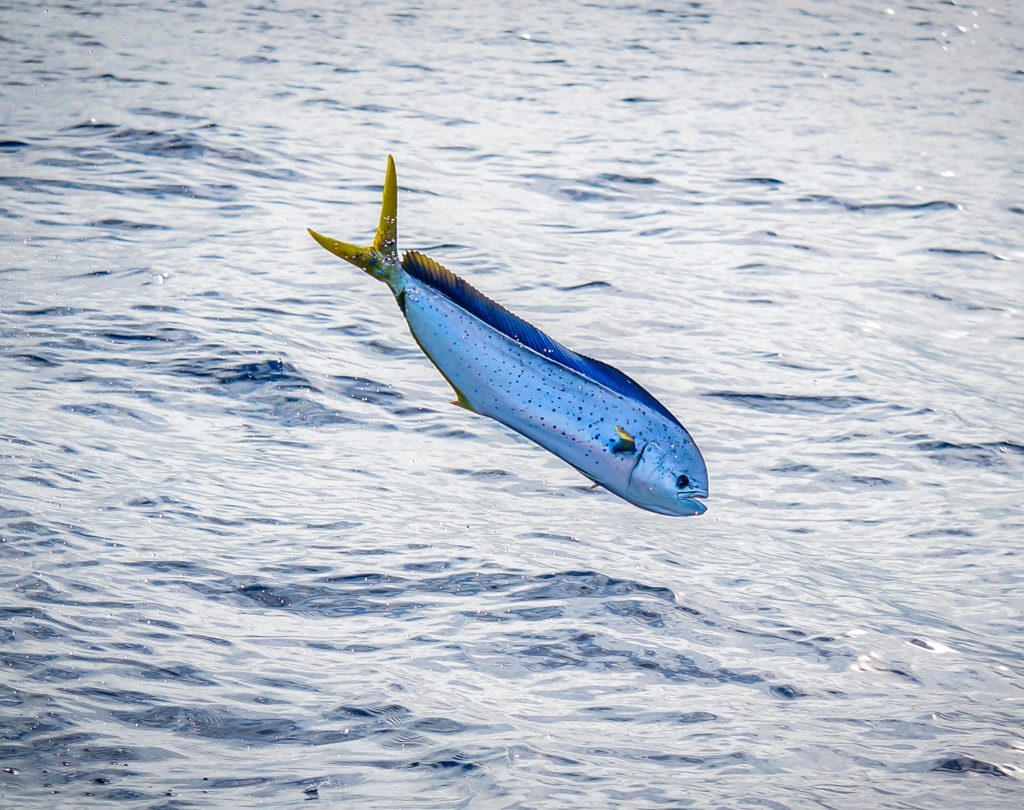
column 495, row 315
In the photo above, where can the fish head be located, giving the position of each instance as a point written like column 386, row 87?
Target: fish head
column 669, row 478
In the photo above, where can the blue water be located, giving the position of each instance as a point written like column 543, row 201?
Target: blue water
column 249, row 554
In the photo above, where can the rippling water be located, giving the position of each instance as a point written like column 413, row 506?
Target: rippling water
column 248, row 552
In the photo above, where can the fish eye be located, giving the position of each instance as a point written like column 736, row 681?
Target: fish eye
column 682, row 481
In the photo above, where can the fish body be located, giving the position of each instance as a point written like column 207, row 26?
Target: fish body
column 586, row 412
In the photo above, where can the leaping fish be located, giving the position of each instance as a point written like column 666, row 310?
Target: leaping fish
column 589, row 414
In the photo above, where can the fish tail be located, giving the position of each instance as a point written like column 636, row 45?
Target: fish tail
column 380, row 259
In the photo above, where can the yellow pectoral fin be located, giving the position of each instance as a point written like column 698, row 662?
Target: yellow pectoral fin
column 623, row 442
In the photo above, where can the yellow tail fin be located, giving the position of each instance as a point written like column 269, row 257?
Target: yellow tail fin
column 380, row 259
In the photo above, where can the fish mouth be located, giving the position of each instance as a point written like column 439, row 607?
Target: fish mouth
column 689, row 503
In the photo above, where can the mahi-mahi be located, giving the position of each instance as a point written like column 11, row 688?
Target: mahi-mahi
column 588, row 413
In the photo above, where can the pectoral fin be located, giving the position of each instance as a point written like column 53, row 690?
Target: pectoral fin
column 623, row 442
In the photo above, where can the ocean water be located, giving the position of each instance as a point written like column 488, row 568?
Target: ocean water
column 250, row 555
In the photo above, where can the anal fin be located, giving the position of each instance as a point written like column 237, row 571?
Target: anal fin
column 461, row 401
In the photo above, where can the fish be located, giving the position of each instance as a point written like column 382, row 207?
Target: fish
column 591, row 415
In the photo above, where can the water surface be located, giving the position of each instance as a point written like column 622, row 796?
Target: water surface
column 250, row 554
